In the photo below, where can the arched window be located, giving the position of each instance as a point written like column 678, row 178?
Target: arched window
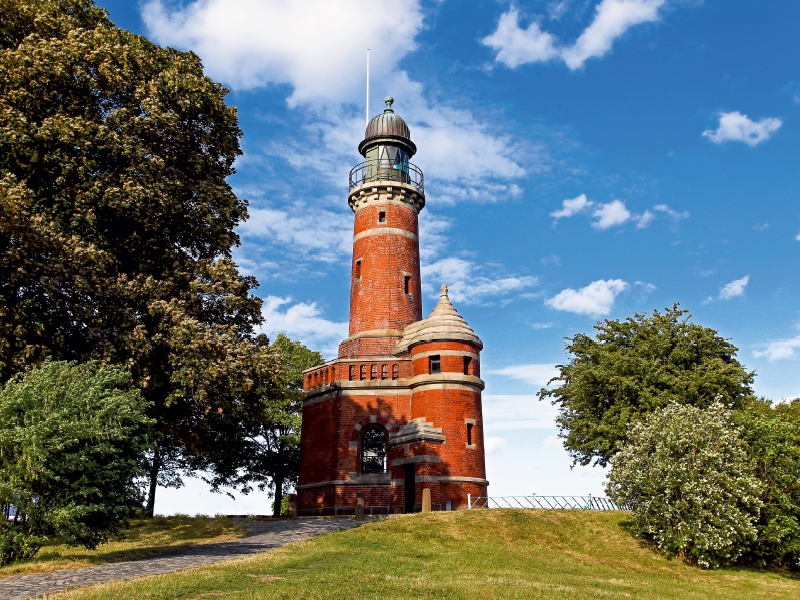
column 385, row 372
column 374, row 372
column 373, row 450
column 395, row 371
column 352, row 372
column 363, row 371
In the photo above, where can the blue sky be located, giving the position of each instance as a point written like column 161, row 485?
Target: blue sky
column 583, row 159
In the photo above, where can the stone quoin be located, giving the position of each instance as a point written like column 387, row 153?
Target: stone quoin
column 399, row 410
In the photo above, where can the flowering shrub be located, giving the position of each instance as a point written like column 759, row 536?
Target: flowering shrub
column 685, row 473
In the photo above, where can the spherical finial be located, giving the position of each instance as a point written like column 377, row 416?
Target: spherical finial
column 389, row 101
column 444, row 291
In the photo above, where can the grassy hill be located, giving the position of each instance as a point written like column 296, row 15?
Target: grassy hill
column 476, row 554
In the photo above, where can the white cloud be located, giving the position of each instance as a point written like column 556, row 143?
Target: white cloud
column 736, row 127
column 595, row 299
column 779, row 349
column 612, row 19
column 328, row 235
column 493, row 444
column 534, row 374
column 611, row 214
column 516, row 46
column 508, row 412
column 466, row 286
column 302, row 321
column 646, row 287
column 432, row 238
column 317, row 47
column 539, row 326
column 645, row 219
column 571, row 207
column 672, row 213
column 797, row 237
column 734, row 288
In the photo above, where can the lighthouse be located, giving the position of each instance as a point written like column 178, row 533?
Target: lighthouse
column 399, row 411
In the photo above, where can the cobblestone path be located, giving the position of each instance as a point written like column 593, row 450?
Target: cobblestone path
column 261, row 536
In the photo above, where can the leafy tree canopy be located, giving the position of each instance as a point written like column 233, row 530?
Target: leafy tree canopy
column 633, row 367
column 773, row 437
column 117, row 222
column 685, row 473
column 267, row 446
column 70, row 435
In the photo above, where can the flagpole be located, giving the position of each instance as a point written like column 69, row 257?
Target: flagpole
column 366, row 122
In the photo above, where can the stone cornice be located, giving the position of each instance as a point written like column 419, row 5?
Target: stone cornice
column 386, row 192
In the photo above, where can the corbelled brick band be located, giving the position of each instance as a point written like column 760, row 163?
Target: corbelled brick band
column 415, row 380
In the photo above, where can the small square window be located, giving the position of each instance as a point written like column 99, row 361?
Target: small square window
column 435, row 364
column 382, row 217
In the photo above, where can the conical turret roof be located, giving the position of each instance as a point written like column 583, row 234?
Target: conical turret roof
column 443, row 325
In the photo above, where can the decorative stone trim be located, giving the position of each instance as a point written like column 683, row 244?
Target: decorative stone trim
column 416, row 431
column 386, row 479
column 385, row 231
column 386, row 192
column 371, row 333
column 449, row 479
column 428, row 353
column 429, row 458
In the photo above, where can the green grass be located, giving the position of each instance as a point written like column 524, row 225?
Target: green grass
column 145, row 537
column 477, row 554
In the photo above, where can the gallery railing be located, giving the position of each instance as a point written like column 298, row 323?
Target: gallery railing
column 384, row 170
column 546, row 502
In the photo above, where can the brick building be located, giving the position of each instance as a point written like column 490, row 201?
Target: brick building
column 399, row 410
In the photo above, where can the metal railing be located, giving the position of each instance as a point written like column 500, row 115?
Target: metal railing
column 546, row 502
column 385, row 170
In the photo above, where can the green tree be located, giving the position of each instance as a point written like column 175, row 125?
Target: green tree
column 267, row 446
column 685, row 473
column 636, row 366
column 117, row 222
column 772, row 434
column 70, row 435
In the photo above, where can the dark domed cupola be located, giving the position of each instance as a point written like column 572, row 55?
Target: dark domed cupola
column 387, row 129
column 387, row 148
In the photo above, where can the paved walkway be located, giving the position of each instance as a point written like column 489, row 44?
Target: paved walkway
column 261, row 536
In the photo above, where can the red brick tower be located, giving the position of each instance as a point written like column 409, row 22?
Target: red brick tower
column 399, row 410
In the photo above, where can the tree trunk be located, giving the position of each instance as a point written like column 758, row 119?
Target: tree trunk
column 151, row 494
column 276, row 510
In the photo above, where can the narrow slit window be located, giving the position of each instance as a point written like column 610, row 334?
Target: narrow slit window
column 358, row 269
column 435, row 364
column 467, row 364
column 407, row 284
column 469, row 433
column 382, row 217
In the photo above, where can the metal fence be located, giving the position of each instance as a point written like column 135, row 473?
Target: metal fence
column 547, row 502
column 385, row 170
